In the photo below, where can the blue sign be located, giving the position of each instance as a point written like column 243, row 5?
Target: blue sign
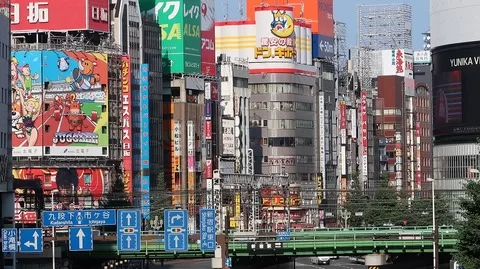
column 176, row 230
column 128, row 230
column 31, row 240
column 9, row 240
column 208, row 235
column 145, row 141
column 62, row 218
column 322, row 46
column 283, row 236
column 228, row 262
column 80, row 239
column 208, row 109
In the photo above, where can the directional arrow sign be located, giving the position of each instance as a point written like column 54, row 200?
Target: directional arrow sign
column 176, row 230
column 80, row 239
column 128, row 230
column 31, row 240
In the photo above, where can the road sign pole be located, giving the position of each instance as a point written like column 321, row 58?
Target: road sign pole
column 53, row 231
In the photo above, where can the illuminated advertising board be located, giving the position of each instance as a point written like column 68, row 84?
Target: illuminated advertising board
column 418, row 132
column 343, row 122
column 208, row 58
column 277, row 197
column 127, row 124
column 59, row 103
column 363, row 117
column 275, row 33
column 181, row 33
column 145, row 141
column 33, row 16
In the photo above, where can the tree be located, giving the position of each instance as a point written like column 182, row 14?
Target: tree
column 116, row 199
column 160, row 198
column 469, row 229
column 420, row 212
column 356, row 202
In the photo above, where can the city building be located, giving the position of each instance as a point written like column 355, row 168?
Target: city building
column 456, row 124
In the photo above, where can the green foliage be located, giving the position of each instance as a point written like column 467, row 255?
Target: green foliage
column 160, row 197
column 420, row 213
column 469, row 229
column 116, row 198
column 356, row 201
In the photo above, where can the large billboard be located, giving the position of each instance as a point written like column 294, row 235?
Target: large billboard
column 127, row 134
column 208, row 37
column 59, row 103
column 181, row 33
column 33, row 16
column 323, row 39
column 455, row 91
column 145, row 141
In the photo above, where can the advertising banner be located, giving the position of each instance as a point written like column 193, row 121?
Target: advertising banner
column 207, row 89
column 191, row 146
column 343, row 122
column 275, row 40
column 208, row 129
column 33, row 16
column 208, row 109
column 208, row 37
column 145, row 141
column 181, row 33
column 321, row 136
column 127, row 123
column 208, row 169
column 59, row 103
column 323, row 42
column 419, row 156
column 422, row 57
column 214, row 91
column 363, row 116
column 228, row 137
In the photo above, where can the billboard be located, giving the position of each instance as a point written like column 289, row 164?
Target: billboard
column 181, row 33
column 59, row 103
column 275, row 41
column 422, row 57
column 228, row 137
column 363, row 120
column 343, row 122
column 43, row 16
column 145, row 141
column 324, row 37
column 275, row 197
column 398, row 62
column 455, row 91
column 208, row 37
column 127, row 135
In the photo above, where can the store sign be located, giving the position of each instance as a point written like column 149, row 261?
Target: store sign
column 281, row 43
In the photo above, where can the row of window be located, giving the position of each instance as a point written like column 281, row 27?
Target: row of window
column 281, row 88
column 282, row 141
column 282, row 106
column 4, row 51
column 388, row 112
column 285, row 160
column 282, row 124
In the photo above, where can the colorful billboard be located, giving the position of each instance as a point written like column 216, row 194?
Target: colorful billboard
column 181, row 33
column 127, row 124
column 208, row 37
column 145, row 141
column 59, row 103
column 43, row 16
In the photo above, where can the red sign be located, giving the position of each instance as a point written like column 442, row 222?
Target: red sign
column 363, row 111
column 214, row 94
column 343, row 115
column 399, row 61
column 127, row 124
column 208, row 173
column 208, row 37
column 325, row 18
column 419, row 155
column 44, row 15
column 208, row 129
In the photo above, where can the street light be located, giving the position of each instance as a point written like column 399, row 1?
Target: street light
column 53, row 229
column 434, row 222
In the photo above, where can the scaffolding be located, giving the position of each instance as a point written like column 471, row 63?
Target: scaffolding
column 341, row 53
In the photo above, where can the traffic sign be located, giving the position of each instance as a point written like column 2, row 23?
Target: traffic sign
column 283, row 236
column 208, row 235
column 176, row 230
column 80, row 238
column 97, row 217
column 31, row 240
column 9, row 240
column 129, row 225
column 228, row 262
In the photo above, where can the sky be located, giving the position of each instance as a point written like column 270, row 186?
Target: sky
column 346, row 11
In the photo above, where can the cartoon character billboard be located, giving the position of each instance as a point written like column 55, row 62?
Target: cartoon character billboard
column 59, row 103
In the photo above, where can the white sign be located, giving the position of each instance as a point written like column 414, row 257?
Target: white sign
column 208, row 91
column 177, row 135
column 191, row 145
column 422, row 57
column 228, row 137
column 321, row 123
column 99, row 14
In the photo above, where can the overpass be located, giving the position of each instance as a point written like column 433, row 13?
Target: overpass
column 356, row 241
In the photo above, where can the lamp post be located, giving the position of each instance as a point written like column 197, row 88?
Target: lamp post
column 53, row 229
column 434, row 222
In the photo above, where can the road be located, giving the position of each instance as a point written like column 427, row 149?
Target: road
column 300, row 263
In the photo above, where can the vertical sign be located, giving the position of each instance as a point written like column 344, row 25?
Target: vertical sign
column 176, row 166
column 419, row 156
column 321, row 123
column 343, row 122
column 228, row 139
column 191, row 165
column 363, row 115
column 398, row 161
column 127, row 125
column 145, row 141
column 9, row 240
column 208, row 235
column 207, row 9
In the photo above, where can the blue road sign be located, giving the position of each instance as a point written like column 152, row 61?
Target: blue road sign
column 9, row 240
column 80, row 239
column 129, row 225
column 31, row 240
column 283, row 236
column 228, row 262
column 176, row 230
column 208, row 235
column 62, row 218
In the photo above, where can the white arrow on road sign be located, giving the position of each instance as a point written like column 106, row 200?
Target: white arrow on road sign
column 80, row 235
column 128, row 241
column 33, row 244
column 176, row 241
column 177, row 217
column 128, row 217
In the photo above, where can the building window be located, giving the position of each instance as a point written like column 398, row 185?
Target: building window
column 259, row 105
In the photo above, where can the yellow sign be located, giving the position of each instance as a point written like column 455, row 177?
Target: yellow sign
column 282, row 24
column 176, row 164
column 278, row 52
column 191, row 188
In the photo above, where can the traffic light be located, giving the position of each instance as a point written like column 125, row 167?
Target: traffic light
column 176, row 230
column 128, row 230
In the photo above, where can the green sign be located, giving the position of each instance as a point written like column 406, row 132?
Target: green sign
column 181, row 40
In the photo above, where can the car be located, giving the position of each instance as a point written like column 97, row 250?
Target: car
column 320, row 260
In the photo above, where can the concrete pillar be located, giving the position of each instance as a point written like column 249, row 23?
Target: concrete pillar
column 375, row 260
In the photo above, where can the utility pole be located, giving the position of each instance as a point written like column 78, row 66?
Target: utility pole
column 345, row 216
